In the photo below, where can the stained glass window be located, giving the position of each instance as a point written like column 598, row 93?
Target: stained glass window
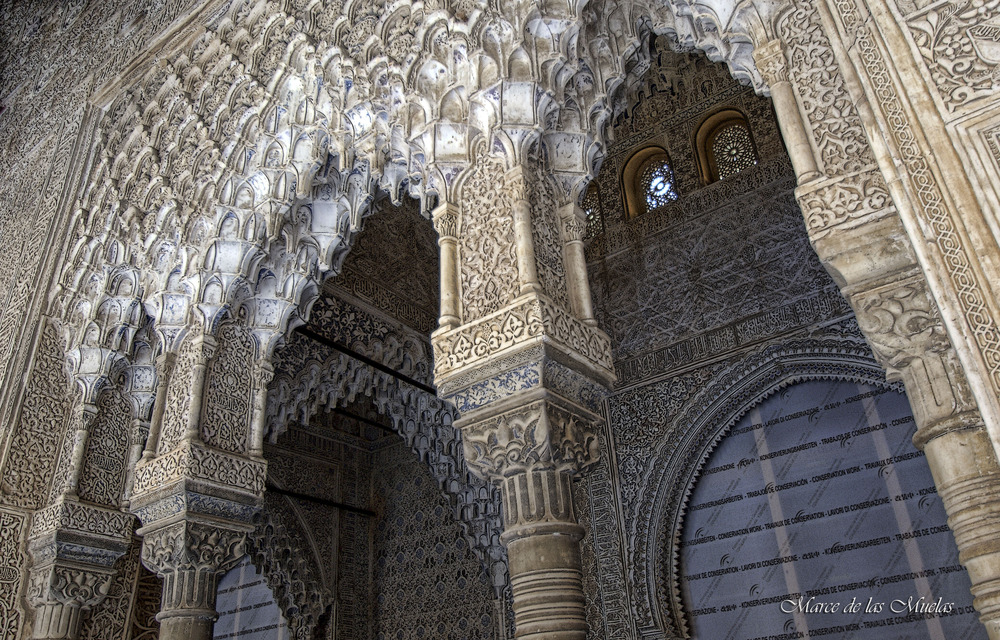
column 656, row 183
column 733, row 149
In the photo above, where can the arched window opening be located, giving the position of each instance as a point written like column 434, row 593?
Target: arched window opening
column 724, row 145
column 592, row 207
column 657, row 184
column 648, row 181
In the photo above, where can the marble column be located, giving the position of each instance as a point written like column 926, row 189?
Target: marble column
column 190, row 556
column 201, row 479
column 771, row 61
column 527, row 369
column 905, row 330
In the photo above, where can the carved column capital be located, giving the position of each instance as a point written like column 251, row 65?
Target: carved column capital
column 73, row 548
column 59, row 594
column 538, row 436
column 190, row 557
column 445, row 220
column 907, row 334
column 84, row 414
column 165, row 364
column 772, row 62
column 574, row 227
column 901, row 323
column 74, row 586
column 194, row 546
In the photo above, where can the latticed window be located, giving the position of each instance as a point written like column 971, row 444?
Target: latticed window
column 724, row 145
column 592, row 206
column 733, row 149
column 648, row 182
column 656, row 183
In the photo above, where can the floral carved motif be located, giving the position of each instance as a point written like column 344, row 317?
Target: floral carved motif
column 12, row 563
column 851, row 199
column 196, row 461
column 190, row 557
column 75, row 516
column 175, row 413
column 191, row 546
column 836, row 127
column 960, row 44
column 102, row 479
column 546, row 238
column 538, row 436
column 229, row 387
column 901, row 323
column 471, row 344
column 35, row 446
column 67, row 585
column 489, row 278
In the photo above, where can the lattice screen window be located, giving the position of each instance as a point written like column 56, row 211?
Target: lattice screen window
column 648, row 181
column 592, row 206
column 733, row 149
column 656, row 183
column 724, row 146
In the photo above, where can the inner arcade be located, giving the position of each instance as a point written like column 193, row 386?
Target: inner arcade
column 436, row 314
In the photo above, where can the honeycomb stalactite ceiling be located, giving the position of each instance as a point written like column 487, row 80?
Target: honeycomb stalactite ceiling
column 212, row 135
column 394, row 265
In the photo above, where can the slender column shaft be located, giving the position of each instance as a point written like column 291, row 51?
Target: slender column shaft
column 445, row 220
column 57, row 621
column 794, row 133
column 205, row 349
column 86, row 414
column 140, row 434
column 543, row 550
column 574, row 227
column 967, row 477
column 188, row 607
column 525, row 247
column 164, row 367
column 771, row 62
column 263, row 375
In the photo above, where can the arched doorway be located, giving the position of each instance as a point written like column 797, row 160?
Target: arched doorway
column 816, row 515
